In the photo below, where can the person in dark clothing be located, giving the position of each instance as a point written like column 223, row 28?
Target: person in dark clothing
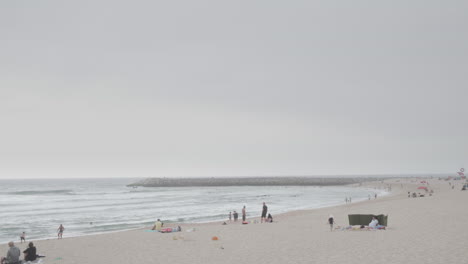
column 264, row 213
column 236, row 215
column 269, row 219
column 30, row 253
column 331, row 221
column 244, row 214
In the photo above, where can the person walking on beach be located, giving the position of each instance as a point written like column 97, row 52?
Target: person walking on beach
column 236, row 215
column 264, row 213
column 243, row 214
column 331, row 221
column 23, row 237
column 230, row 216
column 60, row 231
column 13, row 255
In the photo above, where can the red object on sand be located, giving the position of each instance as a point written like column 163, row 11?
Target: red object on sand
column 422, row 187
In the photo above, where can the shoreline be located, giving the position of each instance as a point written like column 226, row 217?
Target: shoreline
column 282, row 214
column 428, row 225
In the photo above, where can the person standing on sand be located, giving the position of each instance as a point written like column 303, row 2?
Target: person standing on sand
column 331, row 221
column 230, row 216
column 60, row 231
column 236, row 215
column 243, row 214
column 264, row 213
column 23, row 237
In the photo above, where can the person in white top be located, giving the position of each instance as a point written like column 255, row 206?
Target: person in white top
column 374, row 222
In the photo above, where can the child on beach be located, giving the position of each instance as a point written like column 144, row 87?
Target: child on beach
column 23, row 237
column 331, row 221
column 60, row 231
column 269, row 219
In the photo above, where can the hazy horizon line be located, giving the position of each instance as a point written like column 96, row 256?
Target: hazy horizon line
column 405, row 175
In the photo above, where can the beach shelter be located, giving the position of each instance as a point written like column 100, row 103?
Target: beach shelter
column 365, row 219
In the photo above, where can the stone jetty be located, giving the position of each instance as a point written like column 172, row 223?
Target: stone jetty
column 250, row 181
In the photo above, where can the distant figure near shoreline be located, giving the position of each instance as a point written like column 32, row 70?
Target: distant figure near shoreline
column 244, row 214
column 331, row 221
column 60, row 231
column 264, row 213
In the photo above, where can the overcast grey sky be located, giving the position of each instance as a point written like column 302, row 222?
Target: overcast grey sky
column 107, row 88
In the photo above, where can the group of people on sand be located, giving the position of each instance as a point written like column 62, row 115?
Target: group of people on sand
column 263, row 219
column 14, row 254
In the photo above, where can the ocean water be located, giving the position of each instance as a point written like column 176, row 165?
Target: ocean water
column 92, row 206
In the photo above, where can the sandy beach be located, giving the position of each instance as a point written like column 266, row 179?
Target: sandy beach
column 427, row 229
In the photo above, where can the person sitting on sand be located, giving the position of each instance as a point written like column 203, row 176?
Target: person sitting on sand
column 30, row 253
column 374, row 222
column 158, row 225
column 269, row 219
column 13, row 255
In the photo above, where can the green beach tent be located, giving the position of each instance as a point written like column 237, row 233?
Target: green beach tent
column 365, row 219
